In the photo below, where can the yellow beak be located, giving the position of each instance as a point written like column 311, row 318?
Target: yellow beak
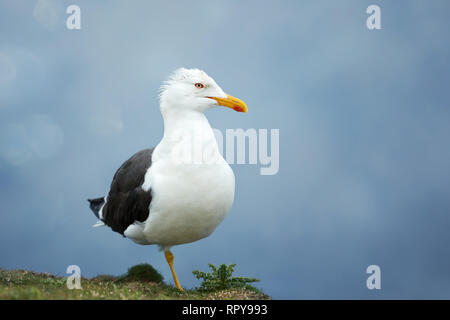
column 232, row 102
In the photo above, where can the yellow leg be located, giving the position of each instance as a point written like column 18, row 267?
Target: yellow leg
column 169, row 258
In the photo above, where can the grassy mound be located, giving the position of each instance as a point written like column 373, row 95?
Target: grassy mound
column 140, row 282
column 143, row 273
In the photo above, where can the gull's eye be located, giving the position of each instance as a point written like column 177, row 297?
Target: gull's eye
column 199, row 85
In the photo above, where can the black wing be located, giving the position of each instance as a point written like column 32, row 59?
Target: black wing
column 127, row 202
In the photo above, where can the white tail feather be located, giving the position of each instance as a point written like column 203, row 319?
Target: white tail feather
column 98, row 224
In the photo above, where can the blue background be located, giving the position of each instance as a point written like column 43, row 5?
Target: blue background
column 364, row 137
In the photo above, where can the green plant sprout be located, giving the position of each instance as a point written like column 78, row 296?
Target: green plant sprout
column 220, row 278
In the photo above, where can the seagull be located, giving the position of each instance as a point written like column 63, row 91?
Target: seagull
column 179, row 191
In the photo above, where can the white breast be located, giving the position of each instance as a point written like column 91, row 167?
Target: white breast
column 188, row 206
column 189, row 200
